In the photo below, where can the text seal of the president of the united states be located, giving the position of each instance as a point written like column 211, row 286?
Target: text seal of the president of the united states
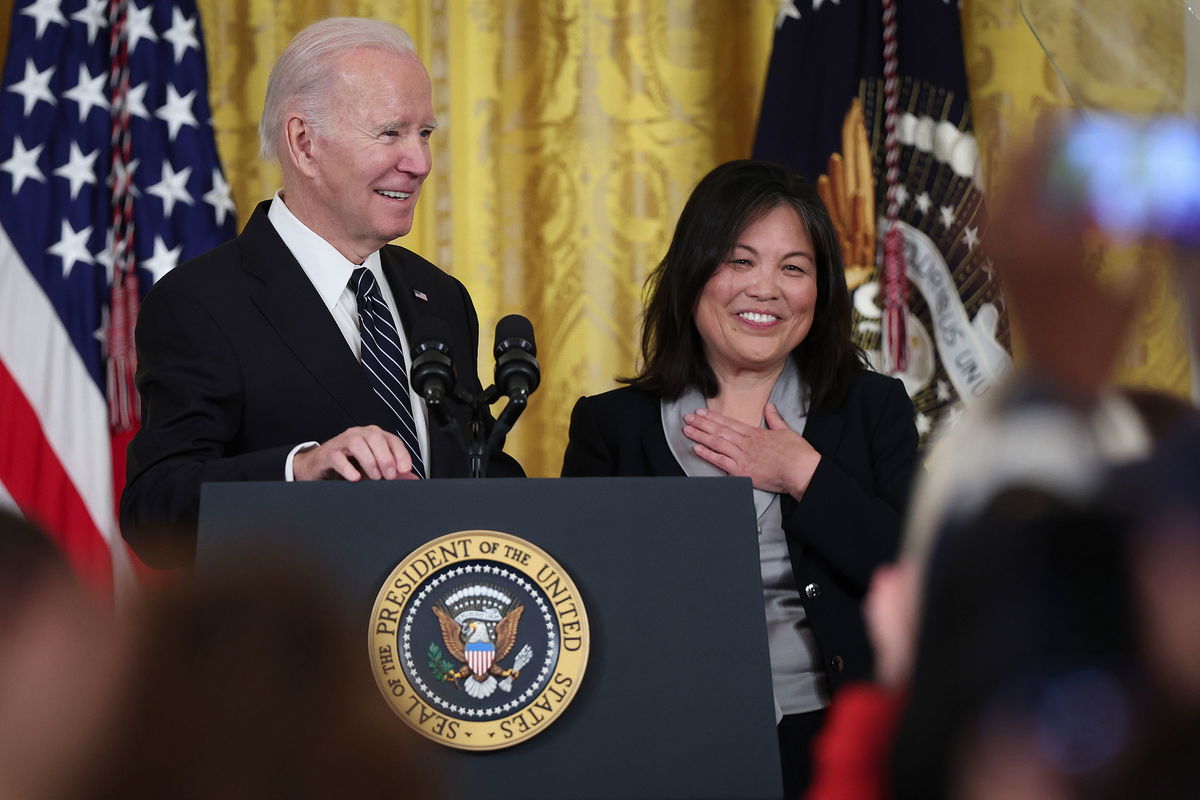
column 479, row 640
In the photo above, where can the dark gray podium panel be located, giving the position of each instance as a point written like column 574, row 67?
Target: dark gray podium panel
column 676, row 701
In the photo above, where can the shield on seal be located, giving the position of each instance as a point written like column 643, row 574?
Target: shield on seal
column 479, row 656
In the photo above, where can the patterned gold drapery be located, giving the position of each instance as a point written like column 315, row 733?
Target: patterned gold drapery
column 1121, row 55
column 573, row 130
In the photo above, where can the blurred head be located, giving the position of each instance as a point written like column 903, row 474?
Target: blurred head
column 753, row 274
column 252, row 681
column 1026, row 620
column 28, row 560
column 1160, row 494
column 348, row 114
column 60, row 666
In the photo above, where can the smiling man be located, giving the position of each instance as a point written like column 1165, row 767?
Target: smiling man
column 284, row 354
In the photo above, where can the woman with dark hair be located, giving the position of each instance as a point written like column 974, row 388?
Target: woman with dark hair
column 749, row 369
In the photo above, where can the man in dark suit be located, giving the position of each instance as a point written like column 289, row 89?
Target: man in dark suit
column 283, row 355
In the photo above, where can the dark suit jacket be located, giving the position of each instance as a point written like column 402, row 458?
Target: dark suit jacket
column 846, row 525
column 239, row 361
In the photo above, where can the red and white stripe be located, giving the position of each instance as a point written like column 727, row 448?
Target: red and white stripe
column 480, row 660
column 56, row 455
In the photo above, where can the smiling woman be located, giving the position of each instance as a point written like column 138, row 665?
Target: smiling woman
column 748, row 369
column 758, row 305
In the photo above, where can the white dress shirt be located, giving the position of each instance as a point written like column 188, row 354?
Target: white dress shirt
column 330, row 271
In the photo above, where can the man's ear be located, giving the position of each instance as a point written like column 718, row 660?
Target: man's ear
column 300, row 144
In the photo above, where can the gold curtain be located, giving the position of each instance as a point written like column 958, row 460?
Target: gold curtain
column 570, row 134
column 1015, row 88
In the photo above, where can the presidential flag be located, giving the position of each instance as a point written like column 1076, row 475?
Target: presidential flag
column 868, row 98
column 109, row 177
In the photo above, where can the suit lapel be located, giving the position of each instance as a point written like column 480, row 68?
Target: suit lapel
column 402, row 292
column 294, row 309
column 654, row 445
column 447, row 456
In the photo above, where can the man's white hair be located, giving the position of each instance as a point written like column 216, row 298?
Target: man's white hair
column 301, row 76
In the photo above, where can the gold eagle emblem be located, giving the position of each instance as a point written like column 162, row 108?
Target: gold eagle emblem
column 848, row 191
column 470, row 641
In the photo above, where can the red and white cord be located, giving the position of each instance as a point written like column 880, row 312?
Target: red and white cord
column 125, row 296
column 895, row 281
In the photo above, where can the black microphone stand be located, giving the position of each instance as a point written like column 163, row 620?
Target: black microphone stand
column 479, row 447
column 478, row 444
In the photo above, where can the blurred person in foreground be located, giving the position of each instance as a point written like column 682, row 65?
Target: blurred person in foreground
column 249, row 683
column 1055, row 686
column 61, row 667
column 748, row 369
column 284, row 354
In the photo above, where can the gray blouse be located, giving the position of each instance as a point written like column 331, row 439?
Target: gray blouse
column 799, row 683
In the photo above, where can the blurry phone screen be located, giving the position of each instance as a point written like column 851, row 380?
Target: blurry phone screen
column 1133, row 176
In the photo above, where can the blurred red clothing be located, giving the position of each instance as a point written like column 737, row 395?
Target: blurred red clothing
column 850, row 756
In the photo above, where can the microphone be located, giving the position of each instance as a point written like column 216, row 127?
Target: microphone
column 432, row 372
column 517, row 371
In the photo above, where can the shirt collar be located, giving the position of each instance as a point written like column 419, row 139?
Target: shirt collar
column 327, row 269
column 790, row 395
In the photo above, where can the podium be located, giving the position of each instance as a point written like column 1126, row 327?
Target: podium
column 676, row 701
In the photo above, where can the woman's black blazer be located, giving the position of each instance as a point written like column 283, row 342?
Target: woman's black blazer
column 847, row 523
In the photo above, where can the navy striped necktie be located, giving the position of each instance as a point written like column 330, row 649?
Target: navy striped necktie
column 383, row 360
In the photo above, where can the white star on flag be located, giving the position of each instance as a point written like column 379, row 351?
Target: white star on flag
column 22, row 164
column 923, row 202
column 34, row 86
column 953, row 415
column 943, row 391
column 947, row 216
column 72, row 247
column 163, row 260
column 89, row 93
column 901, row 194
column 79, row 169
column 923, row 423
column 181, row 34
column 172, row 187
column 787, row 10
column 139, row 26
column 93, row 15
column 101, row 333
column 177, row 111
column 971, row 237
column 45, row 12
column 105, row 259
column 218, row 197
column 136, row 101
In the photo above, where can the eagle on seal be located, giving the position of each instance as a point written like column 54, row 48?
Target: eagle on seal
column 470, row 642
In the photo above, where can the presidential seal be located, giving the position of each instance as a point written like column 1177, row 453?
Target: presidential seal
column 478, row 640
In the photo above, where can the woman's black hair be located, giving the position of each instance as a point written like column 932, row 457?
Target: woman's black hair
column 721, row 206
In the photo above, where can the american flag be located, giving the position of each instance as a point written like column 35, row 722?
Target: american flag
column 868, row 98
column 109, row 177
